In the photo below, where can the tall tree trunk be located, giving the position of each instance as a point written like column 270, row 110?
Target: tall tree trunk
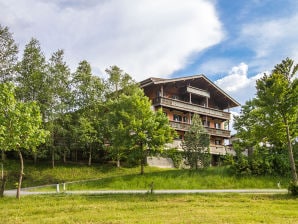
column 142, row 159
column 142, row 166
column 3, row 183
column 20, row 175
column 291, row 156
column 118, row 158
column 64, row 156
column 76, row 155
column 35, row 157
column 118, row 162
column 196, row 164
column 2, row 155
column 90, row 156
column 53, row 157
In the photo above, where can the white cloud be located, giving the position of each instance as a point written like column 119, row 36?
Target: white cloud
column 271, row 40
column 238, row 84
column 142, row 37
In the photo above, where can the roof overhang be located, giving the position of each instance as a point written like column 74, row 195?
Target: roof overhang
column 155, row 81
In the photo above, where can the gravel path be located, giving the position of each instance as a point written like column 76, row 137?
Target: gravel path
column 209, row 191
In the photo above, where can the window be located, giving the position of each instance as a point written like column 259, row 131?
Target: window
column 206, row 123
column 217, row 125
column 185, row 119
column 217, row 142
column 177, row 117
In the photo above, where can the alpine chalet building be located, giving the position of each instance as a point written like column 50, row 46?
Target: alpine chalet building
column 181, row 98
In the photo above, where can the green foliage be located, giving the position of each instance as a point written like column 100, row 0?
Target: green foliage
column 271, row 119
column 20, row 125
column 196, row 144
column 119, row 83
column 228, row 159
column 8, row 55
column 135, row 126
column 19, row 122
column 175, row 155
column 263, row 161
column 32, row 82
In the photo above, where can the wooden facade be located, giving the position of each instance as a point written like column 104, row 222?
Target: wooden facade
column 181, row 98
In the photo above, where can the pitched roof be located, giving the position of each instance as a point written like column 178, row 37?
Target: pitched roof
column 155, row 81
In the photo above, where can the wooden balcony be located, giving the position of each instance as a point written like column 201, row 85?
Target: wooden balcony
column 214, row 149
column 217, row 149
column 212, row 131
column 190, row 107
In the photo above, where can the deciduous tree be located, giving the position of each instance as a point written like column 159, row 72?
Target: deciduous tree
column 271, row 117
column 60, row 102
column 88, row 95
column 20, row 126
column 137, row 127
column 277, row 98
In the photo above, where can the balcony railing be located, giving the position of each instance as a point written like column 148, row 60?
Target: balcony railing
column 214, row 149
column 190, row 107
column 217, row 149
column 212, row 131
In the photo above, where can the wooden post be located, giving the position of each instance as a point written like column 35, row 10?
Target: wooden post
column 151, row 187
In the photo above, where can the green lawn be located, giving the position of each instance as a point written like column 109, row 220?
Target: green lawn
column 110, row 177
column 219, row 208
column 179, row 179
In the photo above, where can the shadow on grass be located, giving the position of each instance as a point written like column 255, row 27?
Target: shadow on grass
column 161, row 179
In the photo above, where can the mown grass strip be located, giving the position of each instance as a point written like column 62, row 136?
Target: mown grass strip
column 198, row 208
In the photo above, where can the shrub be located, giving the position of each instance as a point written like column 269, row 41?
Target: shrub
column 228, row 159
column 175, row 155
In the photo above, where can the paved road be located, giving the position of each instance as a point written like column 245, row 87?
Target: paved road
column 210, row 191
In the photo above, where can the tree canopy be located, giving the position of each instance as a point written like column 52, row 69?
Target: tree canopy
column 136, row 127
column 271, row 118
column 20, row 125
column 81, row 111
column 8, row 55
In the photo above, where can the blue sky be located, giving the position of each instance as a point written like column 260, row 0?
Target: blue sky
column 232, row 42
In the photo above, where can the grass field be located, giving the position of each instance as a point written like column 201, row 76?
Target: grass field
column 110, row 177
column 219, row 208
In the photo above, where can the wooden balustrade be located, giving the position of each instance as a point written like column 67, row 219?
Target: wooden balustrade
column 212, row 131
column 190, row 107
